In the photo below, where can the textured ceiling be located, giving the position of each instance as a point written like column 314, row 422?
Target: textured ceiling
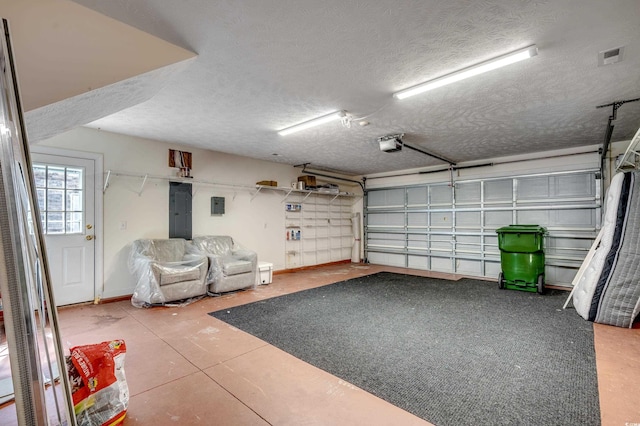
column 265, row 65
column 52, row 119
column 76, row 65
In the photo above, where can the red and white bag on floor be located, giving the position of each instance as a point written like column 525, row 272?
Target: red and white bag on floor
column 98, row 384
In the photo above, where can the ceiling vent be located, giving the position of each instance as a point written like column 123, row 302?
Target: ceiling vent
column 611, row 56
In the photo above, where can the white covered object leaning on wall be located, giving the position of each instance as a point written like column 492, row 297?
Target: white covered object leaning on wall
column 585, row 287
column 609, row 290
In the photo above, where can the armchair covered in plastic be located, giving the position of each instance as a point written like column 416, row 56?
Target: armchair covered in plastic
column 167, row 270
column 231, row 267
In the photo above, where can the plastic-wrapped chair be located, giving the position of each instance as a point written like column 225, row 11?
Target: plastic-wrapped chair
column 231, row 266
column 167, row 270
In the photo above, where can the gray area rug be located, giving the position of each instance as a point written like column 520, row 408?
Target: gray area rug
column 452, row 353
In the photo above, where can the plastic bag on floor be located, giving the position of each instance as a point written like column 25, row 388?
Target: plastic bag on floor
column 98, row 384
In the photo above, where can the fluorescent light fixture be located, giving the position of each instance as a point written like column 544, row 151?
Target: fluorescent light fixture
column 312, row 123
column 483, row 67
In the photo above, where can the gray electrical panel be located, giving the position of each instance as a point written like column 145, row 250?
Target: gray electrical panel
column 217, row 206
column 180, row 210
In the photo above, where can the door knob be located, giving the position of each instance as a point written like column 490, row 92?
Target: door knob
column 89, row 237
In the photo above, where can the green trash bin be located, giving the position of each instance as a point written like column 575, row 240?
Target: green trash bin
column 522, row 257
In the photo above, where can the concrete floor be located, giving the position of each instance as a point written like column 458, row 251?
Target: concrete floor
column 185, row 367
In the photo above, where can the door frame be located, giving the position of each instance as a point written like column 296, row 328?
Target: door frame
column 98, row 259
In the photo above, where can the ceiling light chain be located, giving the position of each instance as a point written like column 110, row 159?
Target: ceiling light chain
column 372, row 113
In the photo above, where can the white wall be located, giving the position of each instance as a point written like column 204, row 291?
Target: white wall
column 257, row 224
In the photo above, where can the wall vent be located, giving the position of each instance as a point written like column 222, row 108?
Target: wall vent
column 611, row 56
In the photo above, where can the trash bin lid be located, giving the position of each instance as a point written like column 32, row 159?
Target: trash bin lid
column 522, row 229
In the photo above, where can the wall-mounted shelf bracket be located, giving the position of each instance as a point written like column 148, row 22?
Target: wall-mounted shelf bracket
column 256, row 193
column 110, row 175
column 144, row 181
column 287, row 195
column 106, row 181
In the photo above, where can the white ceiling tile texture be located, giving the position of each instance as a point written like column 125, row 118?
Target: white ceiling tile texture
column 266, row 65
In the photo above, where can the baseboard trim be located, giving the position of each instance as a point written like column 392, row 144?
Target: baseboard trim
column 306, row 268
column 115, row 299
column 279, row 272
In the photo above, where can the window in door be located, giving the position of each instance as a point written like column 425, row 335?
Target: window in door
column 60, row 198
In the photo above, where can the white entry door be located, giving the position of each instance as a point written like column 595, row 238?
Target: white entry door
column 66, row 198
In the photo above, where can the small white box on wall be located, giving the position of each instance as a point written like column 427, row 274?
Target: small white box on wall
column 265, row 272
